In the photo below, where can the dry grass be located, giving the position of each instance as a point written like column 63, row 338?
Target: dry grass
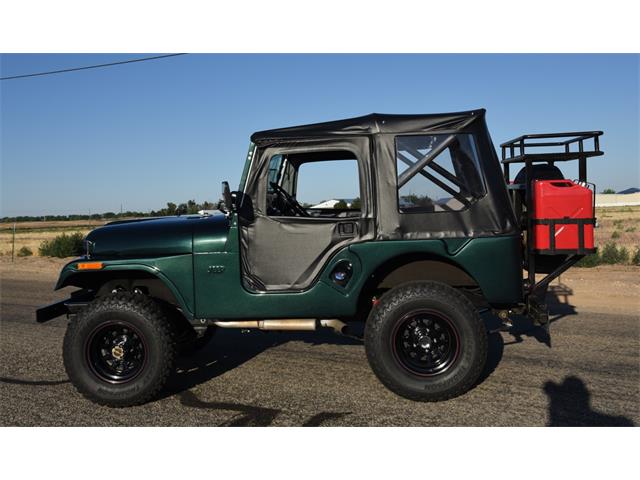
column 53, row 225
column 31, row 239
column 625, row 221
column 32, row 234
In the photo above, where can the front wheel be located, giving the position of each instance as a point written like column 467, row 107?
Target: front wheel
column 425, row 341
column 119, row 351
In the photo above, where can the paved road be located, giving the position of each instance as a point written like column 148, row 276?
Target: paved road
column 590, row 376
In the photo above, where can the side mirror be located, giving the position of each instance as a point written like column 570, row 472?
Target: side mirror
column 227, row 197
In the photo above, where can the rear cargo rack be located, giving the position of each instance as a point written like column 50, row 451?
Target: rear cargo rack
column 515, row 151
column 547, row 148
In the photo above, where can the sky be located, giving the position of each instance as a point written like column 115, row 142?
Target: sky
column 143, row 134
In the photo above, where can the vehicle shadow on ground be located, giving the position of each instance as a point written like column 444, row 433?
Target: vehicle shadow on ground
column 230, row 349
column 570, row 406
column 35, row 383
column 496, row 345
column 250, row 415
column 557, row 300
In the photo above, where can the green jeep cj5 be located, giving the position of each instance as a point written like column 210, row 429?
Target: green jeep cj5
column 433, row 234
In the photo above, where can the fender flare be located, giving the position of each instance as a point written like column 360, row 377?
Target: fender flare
column 69, row 275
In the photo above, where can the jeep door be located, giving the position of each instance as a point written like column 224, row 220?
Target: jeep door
column 310, row 199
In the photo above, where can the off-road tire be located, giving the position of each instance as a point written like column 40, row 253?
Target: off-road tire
column 144, row 316
column 472, row 343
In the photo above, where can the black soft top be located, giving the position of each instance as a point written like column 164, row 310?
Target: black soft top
column 372, row 140
column 372, row 124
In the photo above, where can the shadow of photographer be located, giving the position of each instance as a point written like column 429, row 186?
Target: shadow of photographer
column 570, row 406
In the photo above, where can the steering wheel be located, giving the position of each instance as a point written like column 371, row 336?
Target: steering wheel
column 291, row 202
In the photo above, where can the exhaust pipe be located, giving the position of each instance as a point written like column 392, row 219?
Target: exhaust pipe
column 289, row 324
column 337, row 325
column 285, row 324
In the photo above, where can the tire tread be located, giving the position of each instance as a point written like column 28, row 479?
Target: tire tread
column 157, row 320
column 411, row 291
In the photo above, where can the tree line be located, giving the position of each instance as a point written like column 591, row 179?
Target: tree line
column 190, row 207
column 187, row 208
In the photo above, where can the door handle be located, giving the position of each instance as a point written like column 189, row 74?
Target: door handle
column 347, row 229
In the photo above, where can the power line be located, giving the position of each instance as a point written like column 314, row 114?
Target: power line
column 92, row 66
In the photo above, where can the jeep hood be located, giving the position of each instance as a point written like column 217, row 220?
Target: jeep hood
column 150, row 237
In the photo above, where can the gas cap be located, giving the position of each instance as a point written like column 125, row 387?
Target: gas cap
column 341, row 273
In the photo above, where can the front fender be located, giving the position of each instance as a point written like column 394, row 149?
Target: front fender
column 175, row 272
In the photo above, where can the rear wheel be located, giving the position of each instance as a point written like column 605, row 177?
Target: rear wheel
column 120, row 350
column 425, row 341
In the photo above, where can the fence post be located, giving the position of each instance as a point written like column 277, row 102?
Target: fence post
column 13, row 244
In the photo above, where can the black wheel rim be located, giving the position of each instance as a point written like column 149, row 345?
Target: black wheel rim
column 116, row 352
column 425, row 343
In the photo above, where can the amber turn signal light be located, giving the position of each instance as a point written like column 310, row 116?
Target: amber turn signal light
column 90, row 266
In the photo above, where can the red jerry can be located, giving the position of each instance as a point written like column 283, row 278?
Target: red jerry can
column 563, row 217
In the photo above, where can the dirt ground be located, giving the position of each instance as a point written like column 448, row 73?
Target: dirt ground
column 603, row 289
column 586, row 373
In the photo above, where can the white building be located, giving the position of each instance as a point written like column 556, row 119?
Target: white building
column 332, row 203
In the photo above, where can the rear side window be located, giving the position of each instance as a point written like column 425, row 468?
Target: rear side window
column 437, row 173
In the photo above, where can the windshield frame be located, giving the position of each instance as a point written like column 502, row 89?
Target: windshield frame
column 247, row 167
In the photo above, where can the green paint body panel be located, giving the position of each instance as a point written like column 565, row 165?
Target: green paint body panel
column 201, row 266
column 162, row 247
column 152, row 237
column 492, row 262
column 176, row 272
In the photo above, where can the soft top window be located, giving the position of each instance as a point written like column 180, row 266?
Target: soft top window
column 437, row 173
column 314, row 184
